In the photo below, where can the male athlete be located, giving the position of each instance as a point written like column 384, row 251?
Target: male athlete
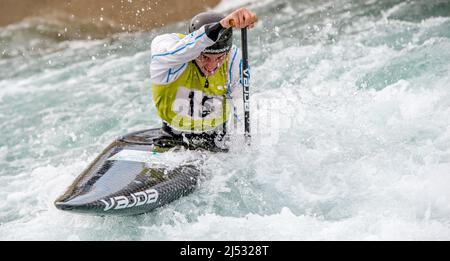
column 197, row 78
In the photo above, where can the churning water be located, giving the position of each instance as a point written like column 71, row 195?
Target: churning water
column 350, row 120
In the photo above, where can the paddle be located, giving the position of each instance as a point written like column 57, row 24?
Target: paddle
column 245, row 83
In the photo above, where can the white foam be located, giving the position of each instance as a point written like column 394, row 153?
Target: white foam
column 287, row 226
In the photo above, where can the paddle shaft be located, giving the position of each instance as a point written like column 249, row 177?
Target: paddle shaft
column 246, row 85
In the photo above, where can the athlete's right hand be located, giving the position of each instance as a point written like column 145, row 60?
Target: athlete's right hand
column 240, row 18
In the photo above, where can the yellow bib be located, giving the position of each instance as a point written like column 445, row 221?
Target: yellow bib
column 190, row 103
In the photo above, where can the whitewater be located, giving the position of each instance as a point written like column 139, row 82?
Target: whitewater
column 350, row 123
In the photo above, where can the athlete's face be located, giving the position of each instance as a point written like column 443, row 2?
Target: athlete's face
column 209, row 63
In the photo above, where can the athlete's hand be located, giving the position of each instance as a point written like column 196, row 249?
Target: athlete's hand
column 240, row 18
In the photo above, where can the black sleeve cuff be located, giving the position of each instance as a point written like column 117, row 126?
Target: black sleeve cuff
column 212, row 30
